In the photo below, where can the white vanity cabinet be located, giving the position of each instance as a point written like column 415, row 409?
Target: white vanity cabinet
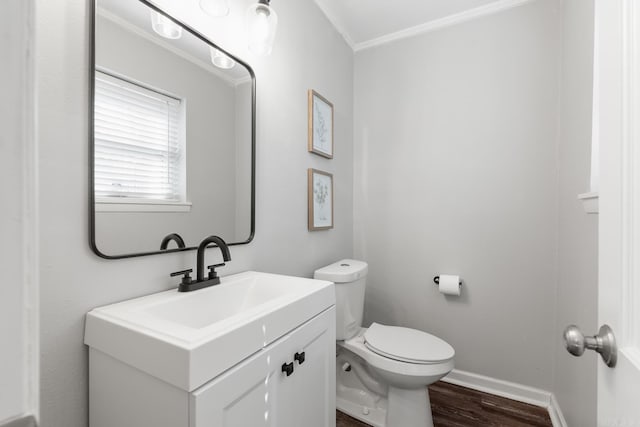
column 216, row 357
column 258, row 393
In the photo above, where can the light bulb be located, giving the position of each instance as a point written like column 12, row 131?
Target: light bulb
column 261, row 25
column 262, row 22
column 221, row 60
column 215, row 8
column 164, row 26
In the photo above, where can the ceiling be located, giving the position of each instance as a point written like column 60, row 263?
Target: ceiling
column 364, row 23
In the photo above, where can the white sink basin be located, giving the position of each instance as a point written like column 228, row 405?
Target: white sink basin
column 186, row 339
column 235, row 296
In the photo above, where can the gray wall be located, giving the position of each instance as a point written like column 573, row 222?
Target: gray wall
column 308, row 54
column 577, row 293
column 457, row 151
column 456, row 172
column 17, row 300
column 211, row 114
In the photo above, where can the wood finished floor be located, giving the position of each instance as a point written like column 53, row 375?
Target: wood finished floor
column 455, row 406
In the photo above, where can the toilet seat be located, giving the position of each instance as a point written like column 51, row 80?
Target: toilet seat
column 407, row 345
column 357, row 346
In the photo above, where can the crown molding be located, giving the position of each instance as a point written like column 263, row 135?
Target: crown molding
column 337, row 25
column 447, row 21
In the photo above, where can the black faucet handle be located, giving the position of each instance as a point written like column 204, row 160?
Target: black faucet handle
column 213, row 274
column 185, row 272
column 187, row 278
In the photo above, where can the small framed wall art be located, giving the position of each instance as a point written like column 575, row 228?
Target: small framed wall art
column 320, row 125
column 320, row 194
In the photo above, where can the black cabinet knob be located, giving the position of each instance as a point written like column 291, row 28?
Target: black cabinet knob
column 288, row 368
column 299, row 357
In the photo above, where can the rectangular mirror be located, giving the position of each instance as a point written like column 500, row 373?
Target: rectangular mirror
column 172, row 135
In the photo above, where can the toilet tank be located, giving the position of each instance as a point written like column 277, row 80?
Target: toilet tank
column 349, row 276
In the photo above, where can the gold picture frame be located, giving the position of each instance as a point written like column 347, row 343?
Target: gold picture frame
column 320, row 200
column 320, row 125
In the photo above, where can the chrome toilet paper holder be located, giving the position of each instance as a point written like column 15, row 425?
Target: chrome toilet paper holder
column 436, row 280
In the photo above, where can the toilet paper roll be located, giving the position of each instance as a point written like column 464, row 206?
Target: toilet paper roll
column 449, row 284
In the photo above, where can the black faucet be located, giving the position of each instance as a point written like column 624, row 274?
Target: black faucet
column 187, row 283
column 169, row 237
column 226, row 256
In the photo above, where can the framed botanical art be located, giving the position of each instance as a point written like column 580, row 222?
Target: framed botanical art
column 320, row 195
column 320, row 125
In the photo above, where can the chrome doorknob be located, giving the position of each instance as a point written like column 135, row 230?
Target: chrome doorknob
column 604, row 343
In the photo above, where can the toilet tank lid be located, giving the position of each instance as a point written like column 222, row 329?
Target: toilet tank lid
column 344, row 271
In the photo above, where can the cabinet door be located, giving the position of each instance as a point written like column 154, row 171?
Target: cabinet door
column 258, row 393
column 309, row 394
column 242, row 397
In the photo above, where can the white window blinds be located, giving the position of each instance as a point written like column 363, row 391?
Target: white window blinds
column 139, row 152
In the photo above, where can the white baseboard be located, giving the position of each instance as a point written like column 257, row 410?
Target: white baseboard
column 20, row 421
column 509, row 390
column 557, row 419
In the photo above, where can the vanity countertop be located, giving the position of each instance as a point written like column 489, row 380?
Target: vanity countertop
column 186, row 339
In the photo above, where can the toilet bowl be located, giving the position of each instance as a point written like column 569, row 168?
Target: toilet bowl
column 383, row 370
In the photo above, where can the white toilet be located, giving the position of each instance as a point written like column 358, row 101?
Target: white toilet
column 382, row 371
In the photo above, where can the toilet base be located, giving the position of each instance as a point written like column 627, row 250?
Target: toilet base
column 409, row 408
column 362, row 406
column 357, row 401
column 372, row 416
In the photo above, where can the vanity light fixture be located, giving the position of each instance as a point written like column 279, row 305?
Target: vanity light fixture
column 164, row 26
column 262, row 21
column 215, row 8
column 221, row 60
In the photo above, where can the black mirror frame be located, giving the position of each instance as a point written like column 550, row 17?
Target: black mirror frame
column 92, row 211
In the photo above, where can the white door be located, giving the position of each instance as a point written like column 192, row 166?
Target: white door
column 617, row 128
